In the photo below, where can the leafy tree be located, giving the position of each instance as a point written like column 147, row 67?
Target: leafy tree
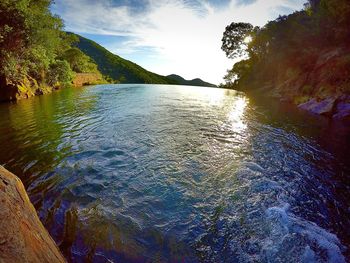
column 290, row 43
column 30, row 39
column 60, row 73
column 239, row 71
column 234, row 42
column 79, row 62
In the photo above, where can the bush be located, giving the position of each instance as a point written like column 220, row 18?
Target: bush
column 60, row 73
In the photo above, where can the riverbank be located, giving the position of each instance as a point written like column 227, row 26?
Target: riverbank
column 321, row 88
column 334, row 107
column 29, row 87
column 302, row 58
column 23, row 238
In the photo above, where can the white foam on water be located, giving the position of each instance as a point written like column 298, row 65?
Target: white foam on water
column 306, row 241
column 279, row 235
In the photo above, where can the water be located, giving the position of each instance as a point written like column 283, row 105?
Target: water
column 147, row 173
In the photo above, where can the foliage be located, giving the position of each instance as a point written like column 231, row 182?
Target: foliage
column 78, row 61
column 60, row 73
column 233, row 40
column 239, row 71
column 288, row 44
column 30, row 38
column 33, row 45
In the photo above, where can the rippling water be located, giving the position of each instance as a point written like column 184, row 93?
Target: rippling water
column 147, row 173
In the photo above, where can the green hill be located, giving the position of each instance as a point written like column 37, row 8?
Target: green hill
column 125, row 71
column 117, row 68
column 193, row 82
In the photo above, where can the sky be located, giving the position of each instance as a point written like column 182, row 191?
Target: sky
column 169, row 36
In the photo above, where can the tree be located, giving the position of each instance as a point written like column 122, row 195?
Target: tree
column 291, row 43
column 234, row 40
column 78, row 61
column 30, row 39
column 59, row 73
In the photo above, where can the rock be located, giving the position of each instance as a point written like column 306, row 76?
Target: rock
column 342, row 110
column 327, row 56
column 23, row 238
column 324, row 107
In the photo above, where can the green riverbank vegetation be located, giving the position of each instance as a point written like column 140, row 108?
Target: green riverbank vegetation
column 299, row 57
column 36, row 55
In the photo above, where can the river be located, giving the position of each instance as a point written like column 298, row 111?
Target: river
column 156, row 173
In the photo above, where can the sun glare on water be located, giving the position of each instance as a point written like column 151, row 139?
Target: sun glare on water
column 236, row 114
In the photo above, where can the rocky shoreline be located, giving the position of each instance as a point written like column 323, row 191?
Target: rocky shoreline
column 337, row 108
column 23, row 238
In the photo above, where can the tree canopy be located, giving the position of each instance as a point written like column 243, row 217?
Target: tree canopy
column 233, row 40
column 293, row 40
column 33, row 43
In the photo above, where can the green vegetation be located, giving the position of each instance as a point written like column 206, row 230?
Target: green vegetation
column 302, row 55
column 34, row 51
column 117, row 69
column 59, row 72
column 37, row 56
column 78, row 61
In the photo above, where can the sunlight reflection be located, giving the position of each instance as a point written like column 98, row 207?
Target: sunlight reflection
column 235, row 116
column 203, row 95
column 215, row 96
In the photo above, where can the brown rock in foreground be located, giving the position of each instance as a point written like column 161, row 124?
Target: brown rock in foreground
column 23, row 238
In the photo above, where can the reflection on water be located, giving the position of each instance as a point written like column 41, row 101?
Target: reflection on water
column 236, row 115
column 147, row 173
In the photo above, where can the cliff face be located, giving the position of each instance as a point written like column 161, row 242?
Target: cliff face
column 23, row 238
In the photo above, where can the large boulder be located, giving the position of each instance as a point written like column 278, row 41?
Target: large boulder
column 23, row 238
column 342, row 110
column 323, row 107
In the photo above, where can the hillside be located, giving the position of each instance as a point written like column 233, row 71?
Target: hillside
column 193, row 82
column 117, row 68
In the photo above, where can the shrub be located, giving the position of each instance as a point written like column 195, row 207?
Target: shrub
column 60, row 73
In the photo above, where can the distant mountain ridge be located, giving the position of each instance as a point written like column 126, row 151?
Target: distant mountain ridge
column 121, row 70
column 117, row 68
column 193, row 82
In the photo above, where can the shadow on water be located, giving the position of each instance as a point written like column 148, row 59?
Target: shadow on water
column 147, row 173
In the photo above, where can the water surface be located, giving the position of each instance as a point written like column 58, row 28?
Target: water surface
column 147, row 173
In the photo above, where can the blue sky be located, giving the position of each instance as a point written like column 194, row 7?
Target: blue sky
column 168, row 36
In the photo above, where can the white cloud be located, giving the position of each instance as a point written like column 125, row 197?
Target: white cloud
column 186, row 39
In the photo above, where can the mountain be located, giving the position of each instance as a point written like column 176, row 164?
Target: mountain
column 194, row 82
column 117, row 68
column 125, row 71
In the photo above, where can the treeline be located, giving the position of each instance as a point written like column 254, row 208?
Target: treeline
column 34, row 49
column 286, row 52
